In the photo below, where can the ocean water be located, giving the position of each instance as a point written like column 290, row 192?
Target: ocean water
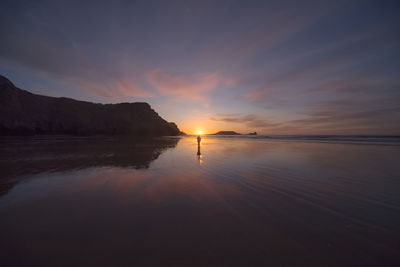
column 244, row 201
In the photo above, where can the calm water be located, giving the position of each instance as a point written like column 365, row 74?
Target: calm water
column 244, row 202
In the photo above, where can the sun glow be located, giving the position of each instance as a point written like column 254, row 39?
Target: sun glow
column 199, row 132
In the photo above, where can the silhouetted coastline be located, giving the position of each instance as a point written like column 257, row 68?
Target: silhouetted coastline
column 226, row 133
column 24, row 113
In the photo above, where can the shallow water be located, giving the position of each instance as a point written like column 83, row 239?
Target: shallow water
column 244, row 202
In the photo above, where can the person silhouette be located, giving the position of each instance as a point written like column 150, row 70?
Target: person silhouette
column 198, row 145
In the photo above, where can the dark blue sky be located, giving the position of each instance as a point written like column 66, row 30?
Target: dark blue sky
column 276, row 67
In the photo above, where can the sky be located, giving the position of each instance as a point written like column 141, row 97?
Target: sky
column 275, row 67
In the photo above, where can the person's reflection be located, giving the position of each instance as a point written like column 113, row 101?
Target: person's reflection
column 198, row 145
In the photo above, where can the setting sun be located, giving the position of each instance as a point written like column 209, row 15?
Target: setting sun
column 199, row 132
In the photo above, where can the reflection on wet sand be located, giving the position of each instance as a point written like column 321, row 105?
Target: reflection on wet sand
column 249, row 203
column 26, row 156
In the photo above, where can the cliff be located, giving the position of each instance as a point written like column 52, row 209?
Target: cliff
column 24, row 113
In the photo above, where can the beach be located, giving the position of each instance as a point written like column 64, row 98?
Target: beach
column 244, row 201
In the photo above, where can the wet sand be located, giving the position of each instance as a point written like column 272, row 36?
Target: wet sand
column 243, row 202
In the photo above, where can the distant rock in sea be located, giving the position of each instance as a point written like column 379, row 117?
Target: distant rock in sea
column 253, row 133
column 227, row 133
column 24, row 113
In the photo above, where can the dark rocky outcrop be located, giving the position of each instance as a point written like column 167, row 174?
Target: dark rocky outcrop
column 227, row 133
column 24, row 113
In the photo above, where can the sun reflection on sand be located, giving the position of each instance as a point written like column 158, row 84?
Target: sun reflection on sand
column 200, row 158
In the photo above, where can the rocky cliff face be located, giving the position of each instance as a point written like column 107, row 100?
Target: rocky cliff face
column 24, row 113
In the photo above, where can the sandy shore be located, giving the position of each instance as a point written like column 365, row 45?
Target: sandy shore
column 242, row 202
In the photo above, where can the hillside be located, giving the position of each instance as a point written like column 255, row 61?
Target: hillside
column 24, row 113
column 227, row 133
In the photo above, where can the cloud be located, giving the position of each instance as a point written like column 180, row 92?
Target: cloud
column 250, row 120
column 254, row 96
column 262, row 94
column 349, row 65
column 193, row 87
column 341, row 116
column 232, row 49
column 127, row 87
column 353, row 117
column 356, row 83
column 350, row 117
column 313, row 66
column 32, row 45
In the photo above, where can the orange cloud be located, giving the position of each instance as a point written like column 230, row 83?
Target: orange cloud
column 260, row 94
column 127, row 87
column 255, row 95
column 192, row 87
column 115, row 89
